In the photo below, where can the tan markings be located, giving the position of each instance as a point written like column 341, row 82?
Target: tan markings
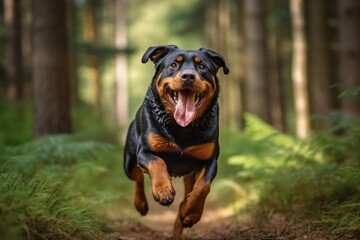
column 180, row 58
column 208, row 97
column 201, row 187
column 201, row 151
column 136, row 174
column 162, row 84
column 163, row 96
column 214, row 82
column 189, row 181
column 197, row 59
column 140, row 201
column 162, row 189
column 158, row 79
column 176, row 84
column 160, row 144
column 192, row 207
column 158, row 170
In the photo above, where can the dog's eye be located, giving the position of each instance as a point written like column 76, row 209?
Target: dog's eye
column 202, row 66
column 174, row 65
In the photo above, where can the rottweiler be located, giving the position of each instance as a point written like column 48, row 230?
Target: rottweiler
column 175, row 132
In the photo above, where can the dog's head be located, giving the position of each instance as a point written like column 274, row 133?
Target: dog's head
column 185, row 80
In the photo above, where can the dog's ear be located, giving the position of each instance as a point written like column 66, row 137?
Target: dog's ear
column 217, row 59
column 157, row 52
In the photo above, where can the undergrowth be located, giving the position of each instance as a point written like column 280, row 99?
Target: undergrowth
column 317, row 179
column 15, row 122
column 40, row 189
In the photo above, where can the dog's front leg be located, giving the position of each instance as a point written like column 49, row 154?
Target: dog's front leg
column 162, row 188
column 192, row 207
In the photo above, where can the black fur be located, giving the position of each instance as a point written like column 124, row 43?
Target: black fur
column 176, row 130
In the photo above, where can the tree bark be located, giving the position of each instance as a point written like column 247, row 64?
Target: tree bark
column 91, row 37
column 239, row 61
column 13, row 65
column 299, row 69
column 276, row 81
column 50, row 68
column 223, row 19
column 257, row 82
column 73, row 61
column 349, row 16
column 319, row 70
column 211, row 24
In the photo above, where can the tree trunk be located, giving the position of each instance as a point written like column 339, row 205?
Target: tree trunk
column 257, row 83
column 13, row 63
column 276, row 81
column 27, row 48
column 319, row 71
column 216, row 31
column 239, row 61
column 299, row 69
column 73, row 63
column 121, row 69
column 50, row 68
column 91, row 37
column 211, row 24
column 223, row 19
column 349, row 14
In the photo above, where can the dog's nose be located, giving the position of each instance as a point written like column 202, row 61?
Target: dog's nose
column 188, row 76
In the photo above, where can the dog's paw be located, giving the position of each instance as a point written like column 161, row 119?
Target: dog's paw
column 164, row 193
column 191, row 210
column 189, row 220
column 142, row 207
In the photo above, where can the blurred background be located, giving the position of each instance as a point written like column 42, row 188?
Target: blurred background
column 71, row 80
column 289, row 63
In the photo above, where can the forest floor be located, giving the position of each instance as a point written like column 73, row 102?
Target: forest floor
column 217, row 223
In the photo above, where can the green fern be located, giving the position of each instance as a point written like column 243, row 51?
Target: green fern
column 35, row 179
column 59, row 150
column 37, row 209
column 320, row 176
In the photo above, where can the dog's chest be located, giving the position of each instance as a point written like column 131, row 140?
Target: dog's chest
column 159, row 144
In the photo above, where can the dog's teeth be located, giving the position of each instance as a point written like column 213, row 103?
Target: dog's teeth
column 197, row 98
column 175, row 94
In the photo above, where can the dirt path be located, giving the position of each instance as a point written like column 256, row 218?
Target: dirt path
column 216, row 224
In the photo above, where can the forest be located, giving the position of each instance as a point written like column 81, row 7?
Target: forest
column 71, row 81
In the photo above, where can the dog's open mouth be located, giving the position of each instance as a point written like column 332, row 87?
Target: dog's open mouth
column 186, row 103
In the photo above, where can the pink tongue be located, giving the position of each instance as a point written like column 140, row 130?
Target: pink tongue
column 185, row 108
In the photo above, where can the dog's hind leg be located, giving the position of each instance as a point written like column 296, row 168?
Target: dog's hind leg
column 137, row 175
column 133, row 171
column 140, row 201
column 189, row 181
column 140, row 198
